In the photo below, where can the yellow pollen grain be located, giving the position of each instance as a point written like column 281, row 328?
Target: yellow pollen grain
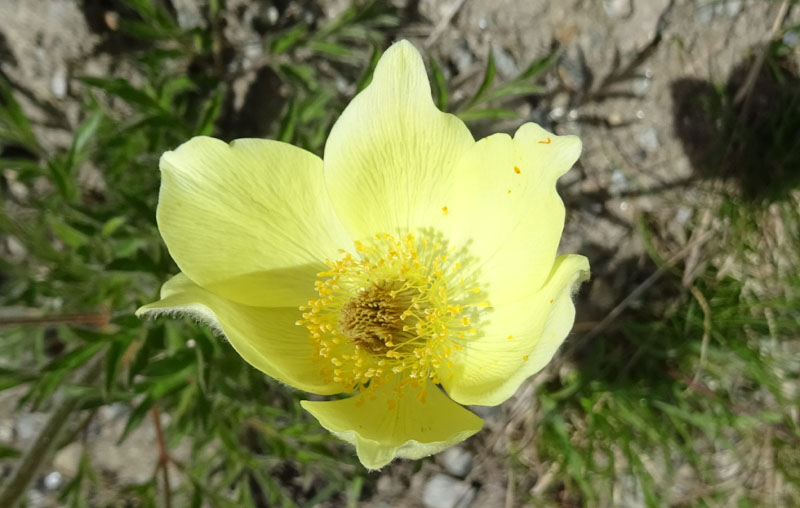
column 444, row 210
column 525, row 358
column 509, row 191
column 551, row 301
column 517, row 170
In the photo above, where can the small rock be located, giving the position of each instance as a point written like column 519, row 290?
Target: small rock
column 648, row 139
column 619, row 183
column 53, row 481
column 462, row 58
column 457, row 461
column 443, row 491
column 704, row 13
column 618, row 8
column 640, row 85
column 504, row 62
column 683, row 214
column 791, row 38
column 733, row 8
column 189, row 14
column 29, row 425
column 58, row 83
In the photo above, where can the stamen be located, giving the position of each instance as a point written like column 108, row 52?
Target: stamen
column 399, row 307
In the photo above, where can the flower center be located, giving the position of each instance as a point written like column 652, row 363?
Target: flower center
column 376, row 317
column 398, row 307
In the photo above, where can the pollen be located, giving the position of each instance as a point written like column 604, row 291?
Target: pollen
column 517, row 170
column 397, row 306
column 444, row 210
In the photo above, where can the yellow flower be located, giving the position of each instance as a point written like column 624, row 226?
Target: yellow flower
column 414, row 267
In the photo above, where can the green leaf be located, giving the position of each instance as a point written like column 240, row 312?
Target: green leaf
column 14, row 125
column 67, row 233
column 9, row 452
column 136, row 417
column 122, row 88
column 330, row 48
column 288, row 122
column 116, row 350
column 489, row 113
column 288, row 39
column 539, row 66
column 440, row 93
column 366, row 76
column 212, row 108
column 112, row 224
column 488, row 79
column 171, row 364
column 74, row 358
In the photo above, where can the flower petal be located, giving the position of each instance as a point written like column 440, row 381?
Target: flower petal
column 519, row 340
column 253, row 214
column 505, row 207
column 410, row 429
column 392, row 153
column 267, row 338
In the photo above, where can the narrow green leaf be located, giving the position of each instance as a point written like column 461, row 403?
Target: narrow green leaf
column 212, row 108
column 67, row 233
column 488, row 79
column 288, row 39
column 366, row 76
column 171, row 364
column 489, row 113
column 74, row 358
column 112, row 224
column 136, row 417
column 330, row 48
column 114, row 355
column 288, row 122
column 122, row 88
column 440, row 93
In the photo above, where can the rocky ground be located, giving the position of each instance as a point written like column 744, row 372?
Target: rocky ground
column 628, row 69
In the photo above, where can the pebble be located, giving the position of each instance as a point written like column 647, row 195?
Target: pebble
column 29, row 425
column 704, row 13
column 683, row 214
column 457, row 461
column 791, row 38
column 58, row 83
column 462, row 58
column 733, row 8
column 619, row 183
column 443, row 491
column 53, row 481
column 648, row 139
column 618, row 8
column 504, row 62
column 640, row 85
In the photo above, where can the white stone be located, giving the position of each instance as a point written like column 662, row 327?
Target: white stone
column 444, row 491
column 457, row 461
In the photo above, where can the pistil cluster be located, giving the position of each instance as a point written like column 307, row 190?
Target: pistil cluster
column 397, row 307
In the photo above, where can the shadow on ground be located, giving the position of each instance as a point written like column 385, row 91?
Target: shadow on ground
column 752, row 142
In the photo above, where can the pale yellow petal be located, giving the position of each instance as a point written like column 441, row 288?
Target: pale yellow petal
column 248, row 218
column 505, row 208
column 391, row 155
column 519, row 339
column 383, row 427
column 267, row 338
